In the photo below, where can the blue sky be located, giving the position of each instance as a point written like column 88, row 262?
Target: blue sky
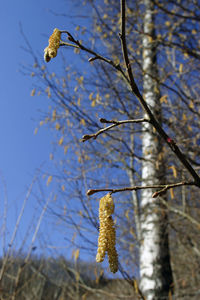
column 22, row 152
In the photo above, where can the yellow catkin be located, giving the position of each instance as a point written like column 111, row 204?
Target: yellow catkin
column 107, row 234
column 102, row 242
column 112, row 253
column 106, row 205
column 54, row 43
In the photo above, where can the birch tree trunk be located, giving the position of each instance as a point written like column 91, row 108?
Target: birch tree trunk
column 155, row 270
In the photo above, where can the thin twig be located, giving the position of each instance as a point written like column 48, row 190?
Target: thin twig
column 169, row 186
column 68, row 44
column 102, row 120
column 114, row 124
column 135, row 188
column 95, row 54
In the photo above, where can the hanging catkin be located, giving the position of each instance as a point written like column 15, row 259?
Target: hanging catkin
column 107, row 234
column 54, row 43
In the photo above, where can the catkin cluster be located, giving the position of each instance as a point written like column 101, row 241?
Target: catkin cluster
column 54, row 43
column 107, row 234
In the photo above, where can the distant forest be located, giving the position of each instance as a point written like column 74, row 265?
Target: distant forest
column 58, row 279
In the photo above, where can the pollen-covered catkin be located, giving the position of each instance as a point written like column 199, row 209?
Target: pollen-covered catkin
column 54, row 43
column 112, row 253
column 106, row 206
column 102, row 242
column 107, row 234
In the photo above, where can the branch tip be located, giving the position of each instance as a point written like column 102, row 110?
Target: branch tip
column 102, row 120
column 85, row 137
column 91, row 59
column 90, row 192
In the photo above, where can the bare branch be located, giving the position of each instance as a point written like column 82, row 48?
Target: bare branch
column 114, row 124
column 170, row 186
column 62, row 43
column 130, row 79
column 102, row 120
column 143, row 103
column 163, row 187
column 95, row 55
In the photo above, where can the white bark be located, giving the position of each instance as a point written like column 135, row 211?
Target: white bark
column 155, row 271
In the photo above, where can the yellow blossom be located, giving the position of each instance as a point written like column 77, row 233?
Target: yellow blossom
column 107, row 234
column 54, row 43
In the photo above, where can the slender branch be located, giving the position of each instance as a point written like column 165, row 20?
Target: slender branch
column 102, row 120
column 95, row 55
column 143, row 103
column 163, row 187
column 169, row 186
column 130, row 79
column 114, row 124
column 68, row 44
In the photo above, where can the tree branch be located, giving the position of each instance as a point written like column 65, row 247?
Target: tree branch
column 95, row 55
column 143, row 103
column 114, row 124
column 130, row 79
column 163, row 187
column 169, row 186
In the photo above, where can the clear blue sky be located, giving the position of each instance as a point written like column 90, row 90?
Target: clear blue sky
column 22, row 152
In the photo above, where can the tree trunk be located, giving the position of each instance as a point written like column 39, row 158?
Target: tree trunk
column 155, row 269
